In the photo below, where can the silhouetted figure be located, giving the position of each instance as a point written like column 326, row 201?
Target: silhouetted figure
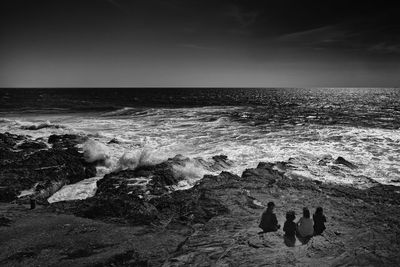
column 290, row 226
column 268, row 222
column 289, row 241
column 290, row 229
column 319, row 221
column 33, row 203
column 305, row 229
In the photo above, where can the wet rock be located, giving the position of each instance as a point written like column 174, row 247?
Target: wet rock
column 114, row 141
column 121, row 195
column 325, row 160
column 33, row 166
column 31, row 145
column 221, row 162
column 264, row 173
column 8, row 140
column 65, row 141
column 344, row 162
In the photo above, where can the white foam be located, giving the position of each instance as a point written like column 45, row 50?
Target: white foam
column 158, row 134
column 134, row 159
column 190, row 171
column 95, row 151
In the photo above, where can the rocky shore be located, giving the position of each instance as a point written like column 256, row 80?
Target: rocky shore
column 137, row 219
column 27, row 164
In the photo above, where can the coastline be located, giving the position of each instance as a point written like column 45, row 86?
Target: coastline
column 214, row 222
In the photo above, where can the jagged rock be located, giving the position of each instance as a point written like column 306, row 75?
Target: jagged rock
column 114, row 141
column 65, row 141
column 215, row 223
column 325, row 160
column 31, row 145
column 344, row 162
column 8, row 140
column 32, row 165
column 122, row 195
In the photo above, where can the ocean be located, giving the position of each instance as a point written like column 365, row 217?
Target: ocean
column 308, row 128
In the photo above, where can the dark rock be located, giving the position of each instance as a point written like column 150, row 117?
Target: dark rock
column 195, row 205
column 114, row 141
column 325, row 160
column 32, row 145
column 66, row 140
column 264, row 173
column 8, row 140
column 4, row 221
column 344, row 162
column 121, row 195
column 34, row 166
column 215, row 223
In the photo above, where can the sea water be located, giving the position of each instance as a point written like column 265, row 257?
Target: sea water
column 149, row 125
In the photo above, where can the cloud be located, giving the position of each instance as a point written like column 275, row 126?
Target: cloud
column 356, row 36
column 385, row 48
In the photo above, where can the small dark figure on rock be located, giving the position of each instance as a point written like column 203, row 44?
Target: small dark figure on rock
column 268, row 222
column 290, row 226
column 319, row 221
column 290, row 229
column 305, row 229
column 32, row 201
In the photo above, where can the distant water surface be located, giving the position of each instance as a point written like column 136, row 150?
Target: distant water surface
column 248, row 125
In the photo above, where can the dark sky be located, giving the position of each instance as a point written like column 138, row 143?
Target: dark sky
column 221, row 43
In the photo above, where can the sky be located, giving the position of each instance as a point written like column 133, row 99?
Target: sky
column 199, row 43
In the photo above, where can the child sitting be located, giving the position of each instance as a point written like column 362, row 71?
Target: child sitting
column 319, row 221
column 290, row 227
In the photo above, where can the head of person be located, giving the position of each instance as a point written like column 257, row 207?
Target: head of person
column 290, row 216
column 306, row 213
column 270, row 206
column 319, row 211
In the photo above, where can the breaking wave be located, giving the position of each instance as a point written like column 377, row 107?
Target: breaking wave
column 134, row 159
column 94, row 151
column 46, row 124
column 202, row 132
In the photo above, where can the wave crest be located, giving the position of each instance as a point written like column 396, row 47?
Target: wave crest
column 134, row 159
column 46, row 124
column 94, row 151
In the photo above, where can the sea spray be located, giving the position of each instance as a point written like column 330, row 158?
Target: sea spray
column 41, row 125
column 134, row 159
column 191, row 172
column 94, row 151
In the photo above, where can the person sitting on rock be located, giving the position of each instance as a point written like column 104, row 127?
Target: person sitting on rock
column 319, row 221
column 268, row 222
column 305, row 225
column 290, row 227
